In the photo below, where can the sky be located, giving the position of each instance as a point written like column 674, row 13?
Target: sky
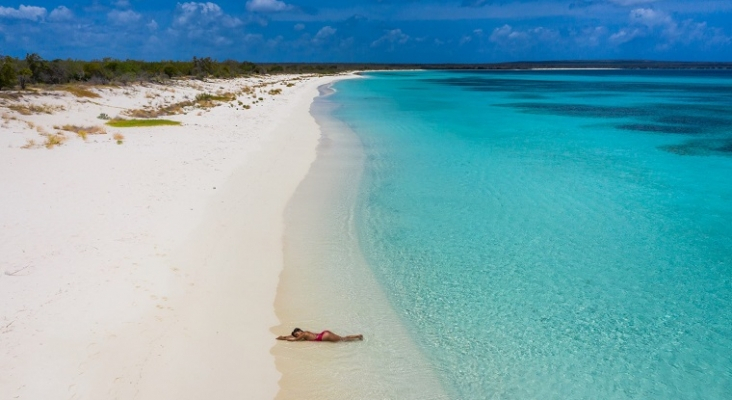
column 377, row 31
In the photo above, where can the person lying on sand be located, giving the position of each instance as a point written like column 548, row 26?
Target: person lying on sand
column 325, row 336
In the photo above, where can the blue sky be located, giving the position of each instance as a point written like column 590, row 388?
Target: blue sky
column 404, row 31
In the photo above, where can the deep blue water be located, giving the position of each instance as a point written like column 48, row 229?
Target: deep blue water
column 553, row 234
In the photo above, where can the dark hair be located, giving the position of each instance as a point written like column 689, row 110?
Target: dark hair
column 296, row 330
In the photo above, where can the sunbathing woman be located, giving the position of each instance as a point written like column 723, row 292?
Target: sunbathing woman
column 325, row 336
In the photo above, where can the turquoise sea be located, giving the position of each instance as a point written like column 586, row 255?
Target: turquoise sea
column 551, row 234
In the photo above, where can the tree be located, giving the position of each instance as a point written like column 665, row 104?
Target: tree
column 277, row 69
column 24, row 77
column 248, row 67
column 7, row 74
column 58, row 72
column 170, row 70
column 37, row 66
column 202, row 67
column 93, row 70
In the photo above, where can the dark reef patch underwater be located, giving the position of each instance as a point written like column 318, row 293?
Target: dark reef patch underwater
column 689, row 106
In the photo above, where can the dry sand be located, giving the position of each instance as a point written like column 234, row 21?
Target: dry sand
column 147, row 269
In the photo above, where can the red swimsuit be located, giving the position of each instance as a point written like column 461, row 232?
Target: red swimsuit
column 320, row 336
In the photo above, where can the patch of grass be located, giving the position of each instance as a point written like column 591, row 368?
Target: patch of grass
column 171, row 109
column 35, row 108
column 11, row 95
column 142, row 113
column 78, row 91
column 274, row 92
column 84, row 131
column 119, row 138
column 92, row 130
column 204, row 98
column 132, row 123
column 54, row 140
column 30, row 144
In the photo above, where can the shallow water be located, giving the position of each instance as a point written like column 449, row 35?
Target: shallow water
column 553, row 235
column 326, row 284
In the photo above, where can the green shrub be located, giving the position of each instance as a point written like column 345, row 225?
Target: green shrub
column 132, row 123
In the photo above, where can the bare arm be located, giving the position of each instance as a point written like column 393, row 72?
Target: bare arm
column 291, row 338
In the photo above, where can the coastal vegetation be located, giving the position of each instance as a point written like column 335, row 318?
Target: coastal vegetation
column 83, row 131
column 34, row 69
column 78, row 91
column 52, row 140
column 208, row 97
column 202, row 101
column 28, row 109
column 133, row 123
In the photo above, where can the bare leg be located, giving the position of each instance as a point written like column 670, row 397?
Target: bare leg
column 332, row 337
column 329, row 336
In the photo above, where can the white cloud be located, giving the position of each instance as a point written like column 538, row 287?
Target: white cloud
column 591, row 37
column 299, row 27
column 274, row 42
column 718, row 38
column 222, row 41
column 23, row 12
column 544, row 34
column 346, row 43
column 516, row 39
column 625, row 35
column 122, row 3
column 627, row 3
column 391, row 37
column 60, row 13
column 324, row 33
column 192, row 14
column 152, row 25
column 506, row 33
column 267, row 6
column 646, row 22
column 252, row 38
column 689, row 31
column 650, row 17
column 123, row 17
column 467, row 38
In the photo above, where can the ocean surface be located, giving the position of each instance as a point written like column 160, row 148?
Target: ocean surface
column 539, row 234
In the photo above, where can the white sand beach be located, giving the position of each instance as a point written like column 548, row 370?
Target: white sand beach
column 146, row 265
